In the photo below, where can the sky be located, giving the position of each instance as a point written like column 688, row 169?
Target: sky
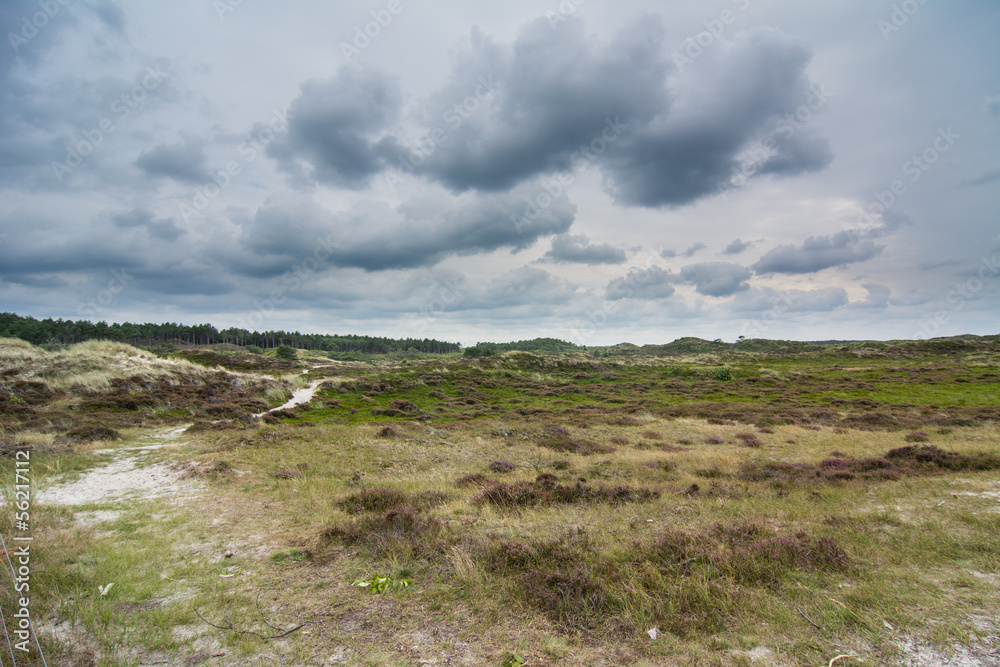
column 478, row 171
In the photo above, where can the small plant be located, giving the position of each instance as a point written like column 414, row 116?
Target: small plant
column 917, row 436
column 502, row 466
column 713, row 440
column 724, row 374
column 381, row 583
column 289, row 557
column 16, row 400
column 514, row 660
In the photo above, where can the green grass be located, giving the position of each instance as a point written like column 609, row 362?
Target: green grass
column 582, row 562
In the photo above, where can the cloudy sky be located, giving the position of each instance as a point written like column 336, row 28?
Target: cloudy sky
column 593, row 171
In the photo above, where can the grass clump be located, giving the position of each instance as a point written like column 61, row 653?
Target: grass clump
column 546, row 490
column 559, row 439
column 384, row 498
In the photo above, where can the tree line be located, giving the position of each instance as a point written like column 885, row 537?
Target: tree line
column 65, row 332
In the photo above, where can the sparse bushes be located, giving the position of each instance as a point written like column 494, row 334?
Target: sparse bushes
column 897, row 463
column 546, row 491
column 403, row 531
column 384, row 498
column 749, row 440
column 559, row 439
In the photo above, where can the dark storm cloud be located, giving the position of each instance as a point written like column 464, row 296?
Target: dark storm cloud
column 43, row 282
column 799, row 153
column 578, row 249
column 184, row 162
column 162, row 228
column 557, row 100
column 716, row 278
column 648, row 284
column 738, row 94
column 336, row 128
column 558, row 91
column 819, row 252
column 736, row 246
column 417, row 234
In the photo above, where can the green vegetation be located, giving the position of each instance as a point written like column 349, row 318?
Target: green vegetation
column 785, row 505
column 65, row 332
column 286, row 352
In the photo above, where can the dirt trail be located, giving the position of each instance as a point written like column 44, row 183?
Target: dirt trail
column 299, row 396
column 123, row 476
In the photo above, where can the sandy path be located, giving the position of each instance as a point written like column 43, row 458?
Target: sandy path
column 299, row 396
column 123, row 476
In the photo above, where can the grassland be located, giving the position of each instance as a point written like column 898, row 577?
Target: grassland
column 771, row 506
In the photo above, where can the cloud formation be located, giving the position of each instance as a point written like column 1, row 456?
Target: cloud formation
column 577, row 249
column 716, row 278
column 336, row 131
column 736, row 246
column 373, row 237
column 652, row 283
column 184, row 162
column 819, row 252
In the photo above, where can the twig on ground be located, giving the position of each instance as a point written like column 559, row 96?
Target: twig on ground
column 808, row 619
column 231, row 627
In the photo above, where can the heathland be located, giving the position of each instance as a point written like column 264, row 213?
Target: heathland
column 695, row 503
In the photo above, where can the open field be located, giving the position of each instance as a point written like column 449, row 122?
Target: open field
column 753, row 506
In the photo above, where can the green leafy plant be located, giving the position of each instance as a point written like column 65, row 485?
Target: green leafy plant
column 514, row 661
column 381, row 583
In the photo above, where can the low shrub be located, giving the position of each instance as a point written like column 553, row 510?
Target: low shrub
column 502, row 466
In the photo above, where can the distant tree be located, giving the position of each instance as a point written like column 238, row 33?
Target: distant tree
column 286, row 352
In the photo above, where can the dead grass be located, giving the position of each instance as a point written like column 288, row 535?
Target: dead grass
column 681, row 537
